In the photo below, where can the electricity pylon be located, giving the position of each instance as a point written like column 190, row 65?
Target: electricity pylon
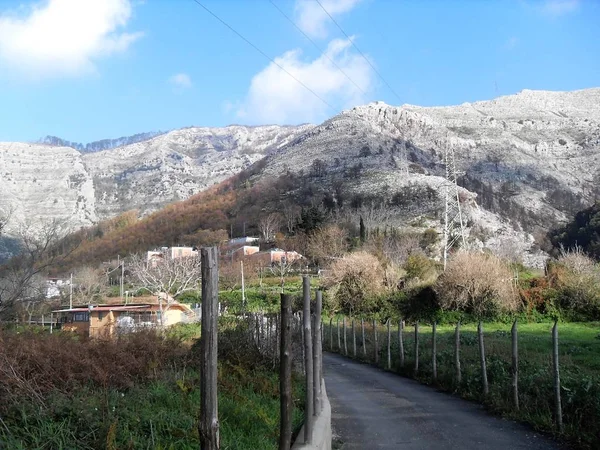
column 454, row 230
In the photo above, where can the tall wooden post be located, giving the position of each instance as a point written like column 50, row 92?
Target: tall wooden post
column 308, row 364
column 515, row 364
column 345, row 339
column 416, row 370
column 434, row 351
column 209, row 417
column 337, row 325
column 376, row 347
column 401, row 342
column 353, row 339
column 285, row 374
column 457, row 354
column 389, row 346
column 331, row 334
column 317, row 354
column 364, row 344
column 557, row 404
column 484, row 380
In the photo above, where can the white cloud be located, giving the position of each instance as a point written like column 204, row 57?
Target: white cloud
column 64, row 37
column 275, row 97
column 314, row 21
column 558, row 8
column 181, row 81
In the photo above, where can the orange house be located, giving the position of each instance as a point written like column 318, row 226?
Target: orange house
column 109, row 320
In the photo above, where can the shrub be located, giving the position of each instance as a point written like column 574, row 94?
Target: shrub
column 419, row 267
column 577, row 278
column 477, row 283
column 355, row 280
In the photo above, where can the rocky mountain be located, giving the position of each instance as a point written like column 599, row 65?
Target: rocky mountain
column 40, row 181
column 104, row 144
column 526, row 162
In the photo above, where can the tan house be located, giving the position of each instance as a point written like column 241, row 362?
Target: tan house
column 276, row 256
column 154, row 256
column 109, row 320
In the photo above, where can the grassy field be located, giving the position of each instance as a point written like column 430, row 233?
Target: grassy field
column 119, row 397
column 579, row 356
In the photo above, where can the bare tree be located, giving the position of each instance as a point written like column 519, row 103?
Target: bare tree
column 37, row 253
column 327, row 243
column 282, row 268
column 166, row 278
column 268, row 226
column 291, row 214
column 88, row 283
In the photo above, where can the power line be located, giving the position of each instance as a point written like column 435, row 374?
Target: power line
column 317, row 47
column 264, row 54
column 358, row 50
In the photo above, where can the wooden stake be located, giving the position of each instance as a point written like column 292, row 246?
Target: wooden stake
column 457, row 354
column 515, row 364
column 416, row 370
column 376, row 347
column 345, row 341
column 557, row 404
column 209, row 417
column 401, row 342
column 484, row 380
column 364, row 344
column 434, row 351
column 353, row 340
column 285, row 374
column 317, row 355
column 389, row 346
column 308, row 347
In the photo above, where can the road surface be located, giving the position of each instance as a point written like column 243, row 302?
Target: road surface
column 373, row 409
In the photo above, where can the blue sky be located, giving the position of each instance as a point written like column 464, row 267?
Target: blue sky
column 91, row 69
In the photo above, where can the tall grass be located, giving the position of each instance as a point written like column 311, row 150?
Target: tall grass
column 140, row 391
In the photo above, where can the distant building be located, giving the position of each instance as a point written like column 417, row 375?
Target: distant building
column 109, row 320
column 238, row 248
column 154, row 256
column 275, row 256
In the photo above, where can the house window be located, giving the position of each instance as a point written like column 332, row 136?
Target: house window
column 100, row 316
column 81, row 317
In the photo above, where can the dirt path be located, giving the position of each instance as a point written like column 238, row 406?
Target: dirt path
column 373, row 409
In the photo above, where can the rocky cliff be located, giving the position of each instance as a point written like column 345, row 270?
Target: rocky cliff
column 525, row 163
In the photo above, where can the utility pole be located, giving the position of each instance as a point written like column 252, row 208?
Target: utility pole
column 243, row 286
column 71, row 292
column 454, row 230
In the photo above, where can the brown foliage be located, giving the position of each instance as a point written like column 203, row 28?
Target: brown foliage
column 478, row 283
column 354, row 279
column 32, row 365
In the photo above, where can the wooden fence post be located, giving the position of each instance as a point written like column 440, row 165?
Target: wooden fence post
column 389, row 345
column 331, row 333
column 345, row 340
column 209, row 416
column 317, row 370
column 364, row 344
column 434, row 351
column 353, row 340
column 285, row 374
column 375, row 340
column 337, row 322
column 484, row 380
column 401, row 342
column 308, row 356
column 416, row 371
column 515, row 364
column 558, row 405
column 457, row 354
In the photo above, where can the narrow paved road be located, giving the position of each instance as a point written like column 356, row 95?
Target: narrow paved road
column 373, row 409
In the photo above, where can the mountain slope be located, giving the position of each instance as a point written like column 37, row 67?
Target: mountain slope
column 40, row 181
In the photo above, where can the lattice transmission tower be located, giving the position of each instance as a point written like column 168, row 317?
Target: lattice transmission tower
column 454, row 230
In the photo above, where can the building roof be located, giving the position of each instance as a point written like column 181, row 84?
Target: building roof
column 102, row 308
